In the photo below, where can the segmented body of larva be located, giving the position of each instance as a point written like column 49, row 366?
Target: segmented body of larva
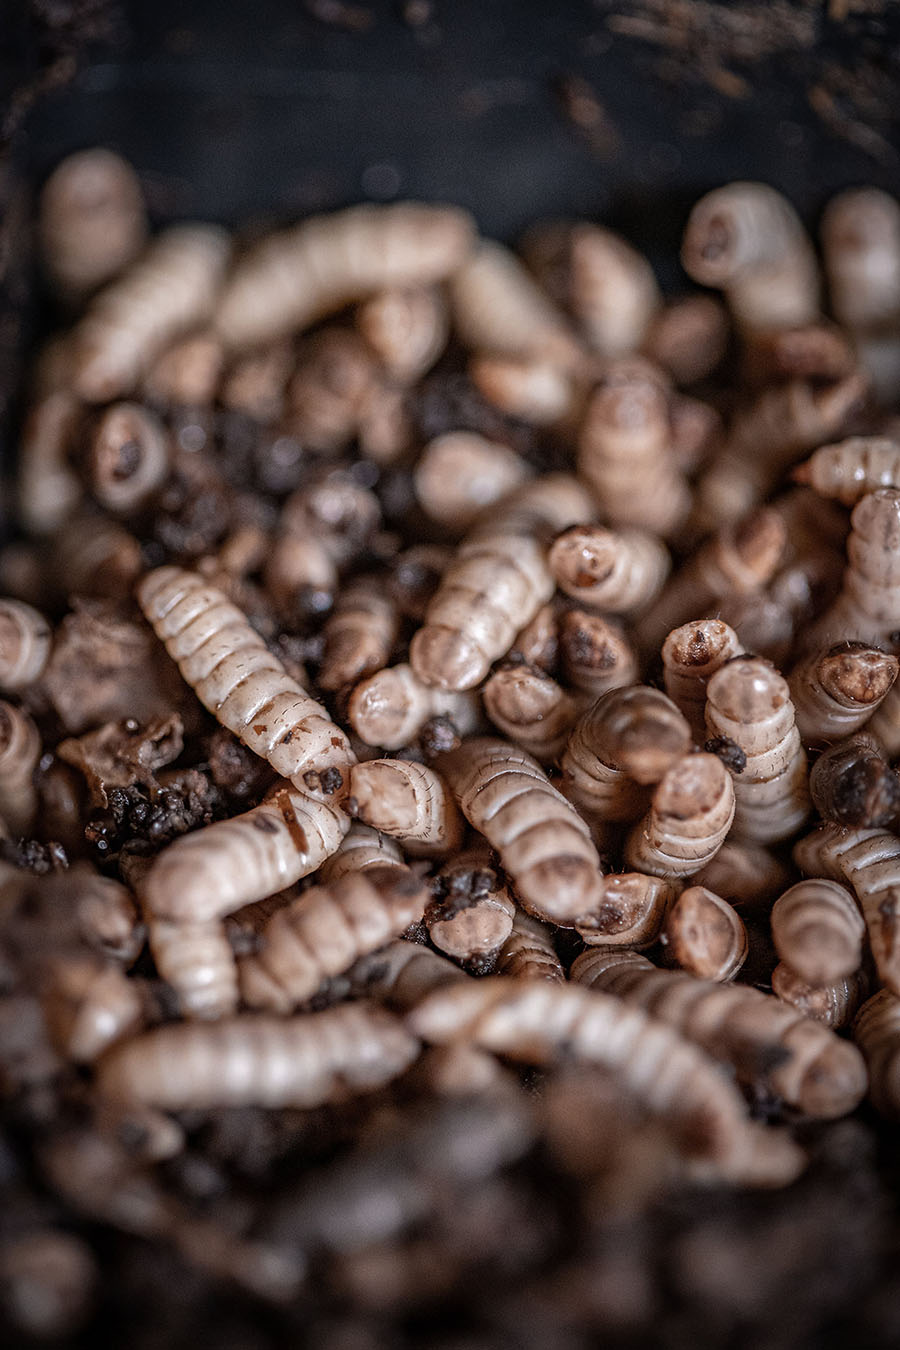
column 92, row 221
column 835, row 692
column 497, row 582
column 527, row 705
column 391, row 707
column 596, row 655
column 690, row 655
column 296, row 276
column 472, row 913
column 631, row 913
column 705, row 936
column 747, row 874
column 616, row 571
column 529, row 388
column 626, row 437
column 868, row 608
column 876, row 1030
column 169, row 289
column 186, row 374
column 621, row 745
column 853, row 784
column 326, row 929
column 748, row 702
column 20, row 750
column 211, row 872
column 403, row 973
column 690, row 814
column 361, row 848
column 460, row 474
column 25, row 637
column 763, row 1038
column 833, row 1004
column 409, row 801
column 748, row 241
column 407, row 329
column 544, row 845
column 497, row 308
column 196, row 959
column 88, row 1004
column 239, row 680
column 528, row 952
column 127, row 457
column 537, row 1020
column 851, row 469
column 861, row 247
column 359, row 633
column 48, row 488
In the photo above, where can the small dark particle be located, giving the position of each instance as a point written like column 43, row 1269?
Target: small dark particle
column 332, row 780
column 729, row 752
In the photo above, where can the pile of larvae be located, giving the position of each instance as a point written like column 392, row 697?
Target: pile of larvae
column 449, row 703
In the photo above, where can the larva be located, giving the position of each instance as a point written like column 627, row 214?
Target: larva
column 705, row 935
column 876, row 1030
column 127, row 457
column 529, row 388
column 616, row 571
column 596, row 655
column 528, row 952
column 849, row 470
column 460, row 474
column 402, row 973
column 834, row 1004
column 690, row 814
column 48, row 488
column 472, row 914
column 527, row 705
column 818, row 931
column 837, row 690
column 861, row 247
column 406, row 328
column 359, row 633
column 196, row 959
column 690, row 655
column 390, row 708
column 631, row 913
column 20, row 750
column 361, row 848
column 868, row 608
column 25, row 637
column 186, row 374
column 409, row 801
column 688, row 337
column 853, row 784
column 89, row 1004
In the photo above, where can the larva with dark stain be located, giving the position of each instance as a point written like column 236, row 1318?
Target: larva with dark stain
column 631, row 913
column 389, row 708
column 616, row 571
column 127, row 457
column 596, row 655
column 834, row 1004
column 691, row 654
column 406, row 327
column 361, row 848
column 837, row 690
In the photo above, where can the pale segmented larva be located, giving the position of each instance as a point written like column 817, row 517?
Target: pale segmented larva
column 688, row 337
column 631, row 913
column 618, row 572
column 536, row 1020
column 861, row 246
column 853, row 784
column 409, row 801
column 876, row 1030
column 326, row 929
column 868, row 608
column 88, row 1004
column 526, row 387
column 403, row 973
column 818, row 931
column 749, row 703
column 836, row 691
column 20, row 750
column 211, row 872
column 258, row 1060
column 625, row 742
column 361, row 848
column 834, row 1004
column 460, row 474
column 537, row 644
column 292, row 278
column 851, row 469
column 48, row 488
column 763, row 1038
column 596, row 655
column 527, row 705
column 406, row 327
column 544, row 845
column 25, row 637
column 359, row 633
column 626, row 437
column 391, row 707
column 690, row 814
column 186, row 374
column 171, row 288
column 239, row 680
column 528, row 952
column 747, row 240
column 127, row 457
column 690, row 655
column 472, row 913
column 705, row 936
column 196, row 959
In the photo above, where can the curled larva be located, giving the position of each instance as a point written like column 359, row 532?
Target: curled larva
column 359, row 633
column 326, row 929
column 705, row 935
column 257, row 1060
column 690, row 814
column 48, row 488
column 296, row 276
column 596, row 655
column 616, row 571
column 834, row 1004
column 214, row 871
column 239, row 680
column 527, row 705
column 861, row 247
column 747, row 240
column 544, row 845
column 690, row 655
column 876, row 1030
column 20, row 750
column 837, row 690
column 538, row 1020
column 529, row 388
column 391, row 707
column 406, row 327
column 818, row 930
column 196, row 959
column 403, row 973
column 88, row 1004
column 409, row 801
column 460, row 474
column 127, row 457
column 25, row 637
column 749, row 703
column 764, row 1039
column 868, row 608
column 472, row 913
column 171, row 287
column 361, row 848
column 854, row 784
column 186, row 374
column 498, row 580
column 688, row 337
column 631, row 913
column 849, row 470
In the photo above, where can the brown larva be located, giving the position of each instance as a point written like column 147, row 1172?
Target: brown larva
column 460, row 474
column 170, row 288
column 747, row 240
column 849, row 470
column 527, row 705
column 292, row 278
column 127, row 457
column 631, row 913
column 861, row 247
column 616, row 571
column 813, row 351
column 688, row 337
column 390, row 708
column 876, row 1030
column 868, row 608
column 234, row 674
column 834, row 1004
column 20, row 750
column 537, row 644
column 359, row 633
column 48, row 488
column 105, row 911
column 595, row 653
column 690, row 655
column 690, row 814
column 409, row 801
column 406, row 329
column 544, row 845
column 259, row 1060
column 853, row 784
column 403, row 973
column 333, row 375
column 361, row 848
column 705, row 935
column 25, row 637
column 837, row 690
column 89, row 1004
column 186, row 374
column 749, row 703
column 764, row 1039
column 326, row 929
column 472, row 913
column 747, row 874
column 536, row 1020
column 818, row 931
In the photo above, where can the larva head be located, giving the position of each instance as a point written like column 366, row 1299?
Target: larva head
column 560, row 887
column 856, row 675
column 750, row 554
column 383, row 794
column 694, row 793
column 834, row 1081
column 832, row 1004
column 447, row 658
column 521, row 695
column 853, row 784
column 705, row 935
column 583, row 555
column 747, row 689
column 726, row 232
column 700, row 646
column 644, row 731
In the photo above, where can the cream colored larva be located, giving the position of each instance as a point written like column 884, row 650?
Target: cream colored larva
column 498, row 580
column 690, row 815
column 408, row 800
column 460, row 474
column 818, row 930
column 472, row 914
column 527, row 705
column 876, row 1031
column 833, row 1004
column 89, row 1004
column 536, row 1021
column 195, row 958
column 326, row 929
column 528, row 953
column 851, row 469
column 361, row 848
column 212, row 872
column 406, row 327
column 359, row 633
column 25, row 638
column 749, row 703
column 544, row 845
column 837, row 690
column 814, row 1070
column 632, row 911
column 868, row 608
column 616, row 571
column 529, row 388
column 20, row 750
column 390, row 708
column 242, row 683
column 691, row 654
column 259, row 1060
